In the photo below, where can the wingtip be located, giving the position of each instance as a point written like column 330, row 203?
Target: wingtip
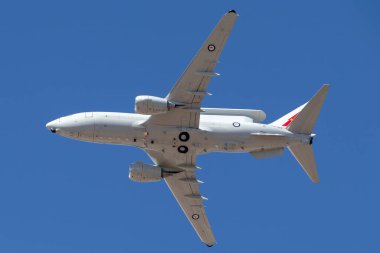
column 316, row 180
column 325, row 87
column 233, row 11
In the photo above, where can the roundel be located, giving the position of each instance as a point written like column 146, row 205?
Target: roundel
column 211, row 47
column 195, row 216
column 236, row 124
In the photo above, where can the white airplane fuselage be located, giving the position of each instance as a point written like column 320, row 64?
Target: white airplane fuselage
column 216, row 133
column 174, row 129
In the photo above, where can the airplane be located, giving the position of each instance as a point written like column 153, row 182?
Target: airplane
column 175, row 129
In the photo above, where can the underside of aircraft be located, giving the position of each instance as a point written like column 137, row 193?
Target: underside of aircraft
column 175, row 129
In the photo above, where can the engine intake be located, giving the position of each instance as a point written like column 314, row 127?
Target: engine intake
column 141, row 172
column 150, row 105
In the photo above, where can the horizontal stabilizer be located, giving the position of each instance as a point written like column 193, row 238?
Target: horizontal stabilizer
column 305, row 157
column 304, row 122
column 302, row 119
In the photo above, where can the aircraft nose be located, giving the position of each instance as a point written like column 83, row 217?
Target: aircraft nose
column 52, row 126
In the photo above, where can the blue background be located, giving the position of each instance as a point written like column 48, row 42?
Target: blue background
column 63, row 57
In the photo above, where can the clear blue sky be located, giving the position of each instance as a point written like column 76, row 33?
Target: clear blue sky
column 61, row 57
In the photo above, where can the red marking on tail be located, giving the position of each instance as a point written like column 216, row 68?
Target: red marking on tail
column 290, row 120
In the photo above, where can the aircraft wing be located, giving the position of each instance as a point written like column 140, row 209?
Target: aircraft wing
column 191, row 87
column 184, row 186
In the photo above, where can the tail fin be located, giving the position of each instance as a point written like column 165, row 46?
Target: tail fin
column 285, row 120
column 302, row 121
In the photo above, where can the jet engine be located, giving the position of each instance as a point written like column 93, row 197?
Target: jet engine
column 150, row 105
column 141, row 172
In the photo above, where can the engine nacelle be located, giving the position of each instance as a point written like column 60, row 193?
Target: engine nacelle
column 141, row 172
column 150, row 105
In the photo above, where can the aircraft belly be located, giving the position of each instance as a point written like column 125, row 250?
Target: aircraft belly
column 171, row 139
column 200, row 140
column 77, row 127
column 261, row 143
column 117, row 131
column 210, row 137
column 239, row 137
column 175, row 129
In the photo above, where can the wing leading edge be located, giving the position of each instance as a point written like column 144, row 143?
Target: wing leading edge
column 191, row 87
column 184, row 186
